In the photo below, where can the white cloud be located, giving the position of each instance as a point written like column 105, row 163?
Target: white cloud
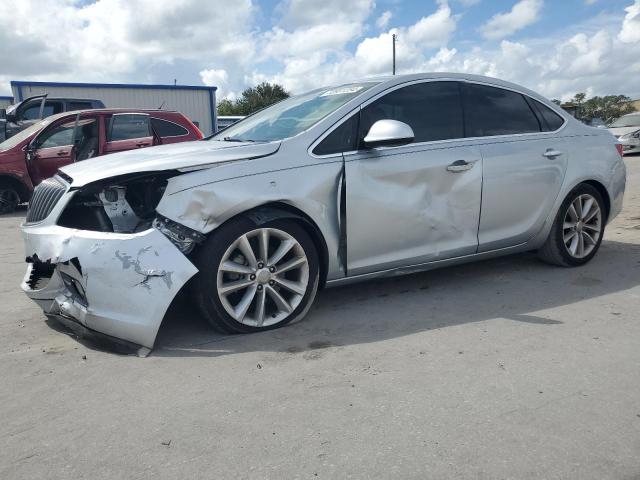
column 301, row 13
column 630, row 32
column 383, row 20
column 523, row 14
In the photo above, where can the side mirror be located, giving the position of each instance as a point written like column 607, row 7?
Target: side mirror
column 387, row 133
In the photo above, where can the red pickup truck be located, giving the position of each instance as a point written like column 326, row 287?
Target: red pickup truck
column 37, row 152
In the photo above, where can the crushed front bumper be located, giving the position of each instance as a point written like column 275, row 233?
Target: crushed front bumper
column 113, row 284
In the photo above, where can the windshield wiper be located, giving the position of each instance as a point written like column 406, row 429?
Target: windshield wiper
column 231, row 139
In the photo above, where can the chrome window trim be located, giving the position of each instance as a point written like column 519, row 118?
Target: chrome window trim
column 432, row 142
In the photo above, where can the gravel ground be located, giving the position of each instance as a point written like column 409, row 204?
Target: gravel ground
column 507, row 368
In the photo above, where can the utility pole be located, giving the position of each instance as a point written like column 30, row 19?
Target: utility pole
column 393, row 39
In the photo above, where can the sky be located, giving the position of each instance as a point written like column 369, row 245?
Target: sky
column 555, row 47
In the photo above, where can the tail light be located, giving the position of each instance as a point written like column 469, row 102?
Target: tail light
column 194, row 127
column 619, row 149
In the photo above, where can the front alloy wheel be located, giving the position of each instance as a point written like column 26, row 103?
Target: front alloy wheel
column 256, row 277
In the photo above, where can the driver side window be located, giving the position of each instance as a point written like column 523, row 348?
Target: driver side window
column 60, row 136
column 432, row 109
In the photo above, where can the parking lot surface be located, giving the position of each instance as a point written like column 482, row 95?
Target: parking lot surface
column 507, row 368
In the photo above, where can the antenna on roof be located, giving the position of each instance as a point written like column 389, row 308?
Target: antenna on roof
column 161, row 105
column 393, row 40
column 175, row 82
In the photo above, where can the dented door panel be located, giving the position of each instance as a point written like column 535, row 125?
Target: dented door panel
column 404, row 207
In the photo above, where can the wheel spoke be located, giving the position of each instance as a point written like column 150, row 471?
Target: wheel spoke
column 578, row 207
column 260, row 306
column 294, row 262
column 282, row 250
column 595, row 212
column 245, row 247
column 588, row 237
column 241, row 309
column 231, row 287
column 572, row 213
column 569, row 236
column 594, row 228
column 568, row 225
column 586, row 207
column 573, row 248
column 581, row 245
column 264, row 245
column 295, row 287
column 234, row 267
column 280, row 302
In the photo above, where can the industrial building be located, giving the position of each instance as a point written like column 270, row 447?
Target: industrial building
column 197, row 102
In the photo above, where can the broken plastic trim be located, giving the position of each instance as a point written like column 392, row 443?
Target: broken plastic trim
column 184, row 238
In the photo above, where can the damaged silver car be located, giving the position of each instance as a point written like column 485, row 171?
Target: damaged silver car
column 341, row 184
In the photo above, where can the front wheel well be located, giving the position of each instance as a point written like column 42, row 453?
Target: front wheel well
column 278, row 210
column 603, row 193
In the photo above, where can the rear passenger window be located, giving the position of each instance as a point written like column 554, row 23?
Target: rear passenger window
column 342, row 139
column 128, row 127
column 432, row 109
column 165, row 128
column 72, row 106
column 551, row 121
column 495, row 111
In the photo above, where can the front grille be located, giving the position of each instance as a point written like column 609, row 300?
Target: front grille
column 44, row 198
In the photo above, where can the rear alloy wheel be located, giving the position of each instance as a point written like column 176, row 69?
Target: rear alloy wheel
column 578, row 229
column 257, row 277
column 9, row 199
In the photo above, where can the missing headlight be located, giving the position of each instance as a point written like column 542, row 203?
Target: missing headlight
column 182, row 237
column 121, row 204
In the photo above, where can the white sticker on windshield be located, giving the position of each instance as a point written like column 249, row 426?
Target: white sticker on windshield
column 340, row 91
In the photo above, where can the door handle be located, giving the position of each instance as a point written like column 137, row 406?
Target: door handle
column 551, row 153
column 62, row 153
column 460, row 166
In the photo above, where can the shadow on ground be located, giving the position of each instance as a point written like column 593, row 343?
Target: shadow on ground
column 513, row 288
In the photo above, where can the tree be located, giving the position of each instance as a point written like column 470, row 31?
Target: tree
column 608, row 108
column 253, row 99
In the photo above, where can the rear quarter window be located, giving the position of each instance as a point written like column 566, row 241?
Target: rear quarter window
column 495, row 111
column 166, row 128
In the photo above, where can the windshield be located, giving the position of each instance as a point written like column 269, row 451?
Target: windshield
column 632, row 120
column 292, row 116
column 24, row 134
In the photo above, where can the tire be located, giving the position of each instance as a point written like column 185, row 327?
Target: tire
column 9, row 198
column 584, row 238
column 229, row 279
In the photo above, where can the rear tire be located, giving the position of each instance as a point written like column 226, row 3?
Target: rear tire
column 577, row 231
column 256, row 277
column 9, row 198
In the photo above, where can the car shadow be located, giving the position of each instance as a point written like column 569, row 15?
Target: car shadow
column 517, row 288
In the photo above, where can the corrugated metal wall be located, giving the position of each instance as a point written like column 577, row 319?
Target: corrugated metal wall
column 197, row 103
column 5, row 102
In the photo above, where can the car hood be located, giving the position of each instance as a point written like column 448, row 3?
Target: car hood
column 618, row 131
column 187, row 155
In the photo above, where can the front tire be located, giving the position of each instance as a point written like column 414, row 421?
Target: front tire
column 256, row 277
column 9, row 198
column 577, row 231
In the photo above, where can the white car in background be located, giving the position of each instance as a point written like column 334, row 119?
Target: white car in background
column 627, row 130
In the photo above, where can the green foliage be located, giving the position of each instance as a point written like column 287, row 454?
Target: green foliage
column 253, row 99
column 608, row 108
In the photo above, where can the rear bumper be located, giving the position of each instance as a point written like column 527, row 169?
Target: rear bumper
column 630, row 145
column 114, row 285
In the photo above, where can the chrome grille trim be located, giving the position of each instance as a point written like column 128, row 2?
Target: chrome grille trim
column 44, row 199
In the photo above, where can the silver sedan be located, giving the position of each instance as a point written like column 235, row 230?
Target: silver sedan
column 341, row 184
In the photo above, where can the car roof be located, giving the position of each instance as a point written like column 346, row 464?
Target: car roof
column 109, row 110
